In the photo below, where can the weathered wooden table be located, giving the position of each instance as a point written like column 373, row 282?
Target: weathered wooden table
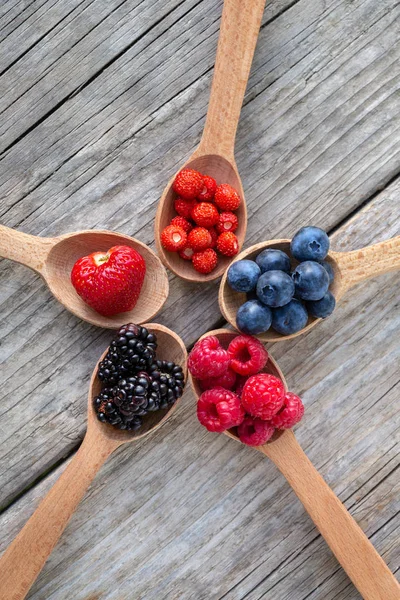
column 101, row 100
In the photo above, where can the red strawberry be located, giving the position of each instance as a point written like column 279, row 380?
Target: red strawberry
column 110, row 282
column 227, row 222
column 184, row 207
column 205, row 261
column 228, row 244
column 205, row 214
column 226, row 198
column 182, row 222
column 208, row 191
column 188, row 183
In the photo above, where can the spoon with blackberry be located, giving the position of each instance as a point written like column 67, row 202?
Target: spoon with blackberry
column 135, row 387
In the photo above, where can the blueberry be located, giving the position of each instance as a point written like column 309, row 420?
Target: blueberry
column 273, row 260
column 253, row 317
column 311, row 280
column 322, row 308
column 275, row 288
column 329, row 269
column 243, row 275
column 310, row 243
column 290, row 318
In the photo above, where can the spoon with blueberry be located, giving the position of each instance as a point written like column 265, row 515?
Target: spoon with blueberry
column 282, row 288
column 134, row 389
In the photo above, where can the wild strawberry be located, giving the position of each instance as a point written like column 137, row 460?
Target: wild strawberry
column 205, row 214
column 227, row 222
column 228, row 244
column 188, row 183
column 205, row 261
column 214, row 237
column 226, row 197
column 182, row 222
column 173, row 238
column 208, row 191
column 187, row 252
column 110, row 282
column 184, row 207
column 199, row 239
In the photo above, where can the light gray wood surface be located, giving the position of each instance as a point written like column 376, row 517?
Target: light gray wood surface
column 100, row 102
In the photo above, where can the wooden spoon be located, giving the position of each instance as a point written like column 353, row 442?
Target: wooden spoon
column 349, row 269
column 25, row 557
column 53, row 259
column 365, row 567
column 214, row 156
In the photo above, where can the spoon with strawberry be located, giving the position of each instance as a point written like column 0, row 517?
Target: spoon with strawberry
column 260, row 412
column 214, row 157
column 102, row 277
column 25, row 557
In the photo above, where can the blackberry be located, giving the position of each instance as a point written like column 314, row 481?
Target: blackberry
column 167, row 380
column 132, row 351
column 108, row 412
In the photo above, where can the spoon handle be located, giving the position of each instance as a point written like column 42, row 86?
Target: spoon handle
column 239, row 29
column 362, row 563
column 23, row 248
column 368, row 262
column 25, row 557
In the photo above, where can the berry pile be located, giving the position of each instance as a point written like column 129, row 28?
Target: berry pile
column 237, row 393
column 278, row 297
column 134, row 381
column 205, row 223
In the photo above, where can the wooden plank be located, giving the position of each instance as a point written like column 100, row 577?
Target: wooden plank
column 319, row 90
column 192, row 514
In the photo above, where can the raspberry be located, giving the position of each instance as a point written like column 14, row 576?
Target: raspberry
column 240, row 381
column 205, row 261
column 263, row 395
column 291, row 412
column 182, row 222
column 184, row 207
column 219, row 409
column 228, row 244
column 173, row 238
column 208, row 359
column 227, row 222
column 248, row 355
column 205, row 214
column 226, row 381
column 188, row 184
column 226, row 197
column 208, row 191
column 255, row 432
column 187, row 252
column 214, row 237
column 199, row 239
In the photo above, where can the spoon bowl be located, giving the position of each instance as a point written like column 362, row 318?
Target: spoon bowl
column 223, row 171
column 169, row 347
column 214, row 156
column 53, row 259
column 25, row 557
column 349, row 269
column 358, row 557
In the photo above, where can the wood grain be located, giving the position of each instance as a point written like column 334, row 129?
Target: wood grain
column 92, row 142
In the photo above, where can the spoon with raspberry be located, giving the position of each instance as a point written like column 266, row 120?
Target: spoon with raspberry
column 242, row 392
